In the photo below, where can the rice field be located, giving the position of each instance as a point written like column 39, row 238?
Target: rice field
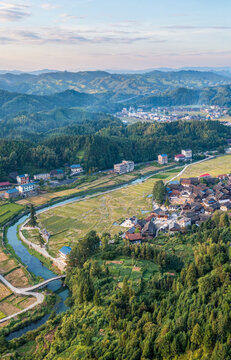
column 8, row 211
column 68, row 223
column 217, row 166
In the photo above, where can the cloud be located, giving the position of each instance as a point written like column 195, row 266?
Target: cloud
column 12, row 12
column 48, row 6
column 67, row 17
column 191, row 27
column 78, row 36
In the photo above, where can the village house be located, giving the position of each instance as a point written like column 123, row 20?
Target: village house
column 174, row 228
column 11, row 194
column 26, row 189
column 129, row 222
column 179, row 157
column 149, row 230
column 163, row 159
column 187, row 153
column 226, row 206
column 45, row 176
column 135, row 238
column 76, row 169
column 58, row 174
column 23, row 179
column 64, row 252
column 5, row 186
column 124, row 167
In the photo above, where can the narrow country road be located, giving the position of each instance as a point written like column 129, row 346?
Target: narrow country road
column 27, row 292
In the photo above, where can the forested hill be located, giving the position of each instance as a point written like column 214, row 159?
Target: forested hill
column 14, row 103
column 175, row 305
column 182, row 96
column 101, row 82
column 113, row 142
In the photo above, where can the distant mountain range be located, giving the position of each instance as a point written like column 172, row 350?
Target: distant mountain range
column 121, row 85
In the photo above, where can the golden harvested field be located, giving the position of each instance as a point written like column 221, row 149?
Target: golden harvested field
column 217, row 166
column 103, row 213
column 106, row 180
column 4, row 291
column 18, row 278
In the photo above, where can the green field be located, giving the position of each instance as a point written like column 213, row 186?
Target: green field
column 8, row 211
column 71, row 222
column 217, row 166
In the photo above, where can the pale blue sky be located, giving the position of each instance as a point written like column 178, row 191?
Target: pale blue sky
column 114, row 34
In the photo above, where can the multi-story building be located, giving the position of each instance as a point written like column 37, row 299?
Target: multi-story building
column 76, row 169
column 163, row 159
column 5, row 186
column 187, row 153
column 25, row 189
column 42, row 177
column 124, row 167
column 23, row 179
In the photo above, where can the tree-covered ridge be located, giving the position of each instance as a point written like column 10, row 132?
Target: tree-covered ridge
column 101, row 82
column 112, row 143
column 184, row 313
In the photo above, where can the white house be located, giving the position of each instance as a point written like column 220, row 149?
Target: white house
column 76, row 169
column 42, row 177
column 26, row 188
column 129, row 222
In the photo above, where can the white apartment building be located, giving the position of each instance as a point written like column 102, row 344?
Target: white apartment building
column 124, row 167
column 42, row 177
column 187, row 153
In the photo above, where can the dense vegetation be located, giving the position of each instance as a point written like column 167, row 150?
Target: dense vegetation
column 180, row 314
column 114, row 142
column 101, row 82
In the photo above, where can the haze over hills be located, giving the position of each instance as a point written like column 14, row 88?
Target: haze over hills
column 102, row 81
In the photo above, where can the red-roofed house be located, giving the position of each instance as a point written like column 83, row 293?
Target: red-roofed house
column 204, row 176
column 133, row 238
column 179, row 157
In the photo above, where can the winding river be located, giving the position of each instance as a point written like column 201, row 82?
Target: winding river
column 35, row 266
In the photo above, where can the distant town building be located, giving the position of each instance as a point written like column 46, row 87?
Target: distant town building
column 11, row 194
column 23, row 179
column 76, row 169
column 65, row 251
column 44, row 177
column 179, row 157
column 5, row 186
column 187, row 153
column 124, row 167
column 59, row 174
column 25, row 189
column 163, row 159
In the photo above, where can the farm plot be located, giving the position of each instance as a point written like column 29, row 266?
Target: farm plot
column 68, row 223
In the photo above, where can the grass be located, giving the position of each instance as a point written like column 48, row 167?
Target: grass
column 8, row 211
column 103, row 181
column 68, row 223
column 217, row 166
column 2, row 315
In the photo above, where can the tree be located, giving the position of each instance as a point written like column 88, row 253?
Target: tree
column 41, row 240
column 159, row 192
column 197, row 336
column 33, row 219
column 224, row 220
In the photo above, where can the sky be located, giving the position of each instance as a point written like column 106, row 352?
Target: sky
column 114, row 34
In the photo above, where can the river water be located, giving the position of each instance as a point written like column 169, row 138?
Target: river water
column 35, row 266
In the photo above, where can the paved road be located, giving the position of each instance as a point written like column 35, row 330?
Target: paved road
column 27, row 292
column 187, row 166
